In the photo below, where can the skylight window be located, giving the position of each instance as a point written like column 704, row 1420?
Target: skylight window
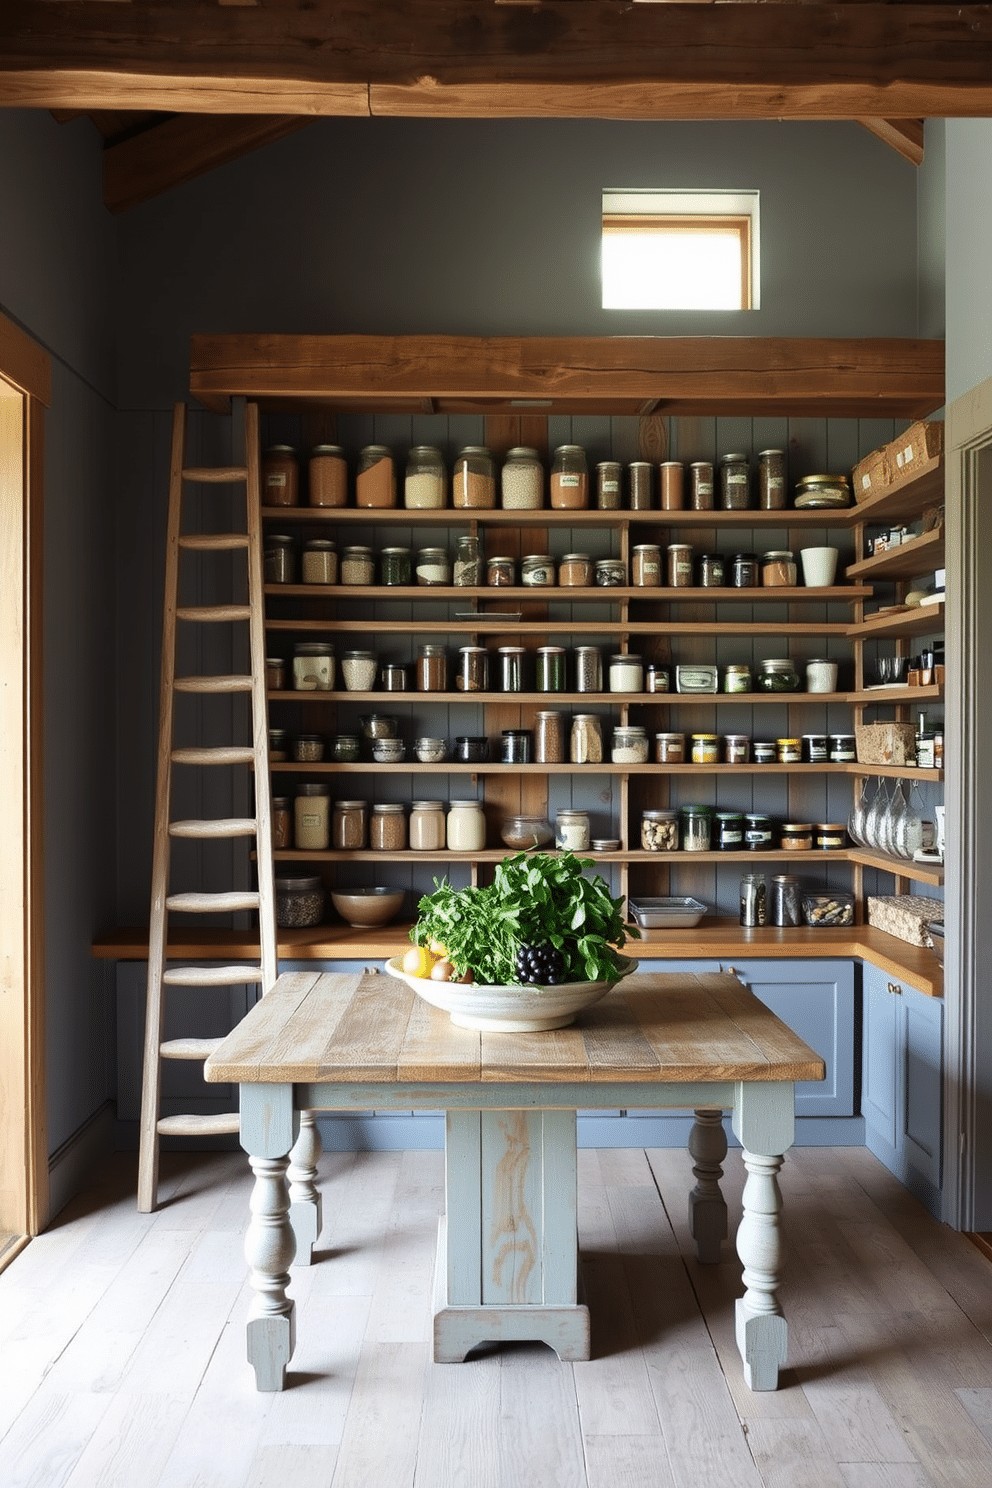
column 679, row 250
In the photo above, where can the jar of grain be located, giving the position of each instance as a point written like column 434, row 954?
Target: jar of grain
column 796, row 836
column 375, row 483
column 645, row 565
column 350, row 825
column 387, row 828
column 395, row 567
column 282, row 823
column 735, row 483
column 575, row 571
column 629, row 745
column 432, row 567
column 659, row 829
column 696, row 826
column 669, row 749
column 608, row 474
column 313, row 666
column 511, row 668
column 278, row 744
column 320, row 561
column 474, row 480
column 473, row 669
column 275, row 673
column 501, row 572
column 357, row 566
column 709, row 571
column 432, row 669
column 299, row 902
column 572, row 831
column 537, row 571
column 312, row 813
column 280, row 476
column 778, row 570
column 671, row 485
column 679, row 566
column 569, row 478
column 280, row 565
column 771, row 480
column 470, row 563
column 588, row 669
column 522, row 479
column 549, row 738
column 550, row 669
column 466, row 826
column 639, row 485
column 586, row 744
column 425, row 479
column 308, row 749
column 701, row 485
column 626, row 673
column 427, row 826
column 358, row 668
column 328, row 485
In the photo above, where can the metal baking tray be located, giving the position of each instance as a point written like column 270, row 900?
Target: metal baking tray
column 667, row 914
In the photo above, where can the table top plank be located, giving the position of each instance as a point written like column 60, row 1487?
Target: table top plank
column 249, row 1045
column 776, row 1039
column 687, row 1030
column 433, row 1048
column 306, row 1039
column 613, row 1039
column 557, row 1054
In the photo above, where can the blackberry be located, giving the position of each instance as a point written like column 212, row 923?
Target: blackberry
column 540, row 965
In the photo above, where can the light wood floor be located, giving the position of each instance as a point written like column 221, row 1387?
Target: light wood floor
column 122, row 1344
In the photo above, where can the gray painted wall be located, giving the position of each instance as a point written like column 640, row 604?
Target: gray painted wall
column 969, row 254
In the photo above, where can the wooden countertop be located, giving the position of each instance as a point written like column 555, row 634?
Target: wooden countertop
column 715, row 939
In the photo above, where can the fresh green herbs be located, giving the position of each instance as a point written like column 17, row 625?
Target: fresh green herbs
column 534, row 899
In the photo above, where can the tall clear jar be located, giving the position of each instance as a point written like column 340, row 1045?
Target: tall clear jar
column 608, row 485
column 549, row 738
column 586, row 744
column 639, row 481
column 280, row 476
column 696, row 825
column 470, row 563
column 395, row 567
column 511, row 668
column 772, row 491
column 375, row 483
column 320, row 561
column 357, row 565
column 701, row 485
column 550, row 669
column 473, row 669
column 735, row 483
column 328, row 485
column 645, row 565
column 572, row 831
column 588, row 669
column 425, row 480
column 427, row 826
column 474, row 479
column 569, row 478
column 522, row 479
column 626, row 673
column 280, row 559
column 350, row 825
column 312, row 817
column 432, row 668
column 387, row 828
column 282, row 823
column 466, row 826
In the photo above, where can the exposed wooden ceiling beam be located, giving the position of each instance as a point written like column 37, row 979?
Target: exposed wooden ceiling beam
column 905, row 136
column 598, row 58
column 180, row 148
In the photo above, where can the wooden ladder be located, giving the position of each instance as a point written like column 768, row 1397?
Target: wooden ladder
column 212, row 755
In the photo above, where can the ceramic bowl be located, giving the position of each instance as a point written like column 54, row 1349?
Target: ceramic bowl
column 509, row 1009
column 366, row 907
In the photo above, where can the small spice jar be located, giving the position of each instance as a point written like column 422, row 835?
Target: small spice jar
column 588, row 669
column 629, row 745
column 671, row 485
column 350, row 825
column 328, row 471
column 387, row 827
column 778, row 570
column 425, row 479
column 659, row 829
column 466, row 826
column 501, row 572
column 830, row 836
column 710, row 571
column 789, row 751
column 395, row 566
column 473, row 669
column 771, row 480
column 320, row 561
column 701, row 485
column 735, row 483
column 737, row 677
column 736, row 749
column 744, row 571
column 516, row 746
column 611, row 573
column 815, row 750
column 796, row 836
column 679, row 566
column 575, row 571
column 278, row 745
column 586, row 743
column 358, row 668
column 639, row 485
column 522, row 479
column 695, row 828
column 395, row 677
column 282, row 823
column 432, row 567
column 757, row 831
column 669, row 749
column 841, row 749
column 657, row 678
column 313, row 666
column 427, row 826
column 275, row 673
column 357, row 566
column 511, row 668
column 308, row 749
column 705, row 749
column 785, row 906
column 345, row 748
column 572, row 831
column 569, row 478
column 777, row 674
column 608, row 475
column 470, row 564
column 280, row 476
column 764, row 752
column 537, row 571
column 728, row 831
column 375, row 482
column 549, row 738
column 280, row 563
column 432, row 668
column 299, row 902
column 645, row 566
column 312, row 817
column 474, row 480
column 626, row 673
column 550, row 669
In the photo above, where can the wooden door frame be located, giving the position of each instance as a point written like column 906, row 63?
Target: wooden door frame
column 25, row 370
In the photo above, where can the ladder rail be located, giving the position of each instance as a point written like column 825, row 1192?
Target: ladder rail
column 259, row 702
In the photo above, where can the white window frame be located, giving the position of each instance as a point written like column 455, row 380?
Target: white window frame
column 680, row 211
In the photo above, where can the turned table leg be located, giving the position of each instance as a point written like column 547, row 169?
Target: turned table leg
column 707, row 1207
column 305, row 1208
column 764, row 1121
column 269, row 1127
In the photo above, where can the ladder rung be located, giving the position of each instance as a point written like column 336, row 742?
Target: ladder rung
column 213, row 541
column 210, row 614
column 225, row 1124
column 227, row 754
column 215, row 475
column 227, row 683
column 211, row 976
column 189, row 1048
column 203, row 903
column 219, row 826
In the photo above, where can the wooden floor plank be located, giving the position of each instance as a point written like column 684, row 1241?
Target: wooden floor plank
column 379, row 1445
column 628, row 1462
column 460, row 1424
column 793, row 1454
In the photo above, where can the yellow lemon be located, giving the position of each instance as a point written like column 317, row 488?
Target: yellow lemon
column 418, row 961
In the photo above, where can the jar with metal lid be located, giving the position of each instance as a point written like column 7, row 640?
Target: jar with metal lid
column 785, row 901
column 588, row 669
column 830, row 836
column 358, row 668
column 679, row 566
column 320, row 561
column 511, row 668
column 822, row 491
column 772, row 491
column 425, row 479
column 777, row 674
column 737, row 677
column 387, row 828
column 705, row 749
column 789, row 751
column 396, row 566
column 280, row 476
column 736, row 749
column 328, row 471
column 629, row 745
column 728, row 831
column 796, row 836
column 626, row 673
column 778, row 569
column 701, row 485
column 345, row 748
column 432, row 567
column 709, row 571
column 278, row 744
column 757, row 831
column 466, row 826
column 611, row 573
column 313, row 666
column 695, row 828
column 639, row 485
column 763, row 751
column 550, row 669
column 312, row 817
column 735, row 482
column 586, row 744
column 300, row 902
column 744, row 571
column 395, row 677
column 537, row 570
column 608, row 473
column 522, row 479
column 754, row 900
column 282, row 823
column 569, row 478
column 471, row 749
column 275, row 673
column 474, row 480
column 549, row 738
column 473, row 669
column 659, row 829
column 470, row 563
column 815, row 751
column 501, row 572
column 517, row 746
column 575, row 571
column 645, row 565
column 350, row 825
column 572, row 831
column 432, row 668
column 427, row 826
column 308, row 749
column 375, row 482
column 280, row 561
column 841, row 748
column 357, row 566
column 657, row 678
column 669, row 749
column 671, row 485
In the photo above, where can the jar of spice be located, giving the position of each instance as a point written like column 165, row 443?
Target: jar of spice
column 777, row 674
column 313, row 666
column 549, row 738
column 778, row 570
column 474, row 480
column 841, row 749
column 679, row 566
column 280, row 476
column 669, row 749
column 645, row 565
column 550, row 668
column 735, row 483
column 350, row 825
column 572, row 831
column 280, row 566
column 575, row 571
column 345, row 748
column 517, row 746
column 815, row 749
column 705, row 749
column 466, row 826
column 394, row 676
column 709, row 571
column 611, row 573
column 728, row 831
column 387, row 828
column 473, row 669
column 308, row 749
column 432, row 669
column 797, row 836
column 659, row 829
column 626, row 673
column 522, row 479
column 358, row 668
column 357, row 566
column 757, row 831
column 537, row 571
column 395, row 566
column 696, row 826
column 821, row 675
column 608, row 485
column 299, row 902
column 744, row 571
column 320, row 561
column 754, row 900
column 830, row 836
column 375, row 482
column 657, row 678
column 789, row 751
column 764, row 752
column 511, row 668
column 737, row 678
column 470, row 563
column 736, row 749
column 278, row 745
column 328, row 471
column 275, row 673
column 671, row 479
column 701, row 485
column 588, row 669
column 629, row 745
column 501, row 572
column 639, row 485
column 282, row 823
column 312, row 817
column 586, row 745
column 425, row 479
column 432, row 567
column 569, row 478
column 427, row 826
column 771, row 480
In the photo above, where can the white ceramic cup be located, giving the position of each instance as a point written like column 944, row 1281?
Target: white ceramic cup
column 821, row 676
column 819, row 567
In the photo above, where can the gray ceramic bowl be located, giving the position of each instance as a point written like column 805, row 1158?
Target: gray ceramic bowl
column 367, row 907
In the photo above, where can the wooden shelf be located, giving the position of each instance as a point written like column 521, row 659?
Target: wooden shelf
column 910, row 559
column 413, row 697
column 493, row 625
column 896, row 696
column 895, row 772
column 928, row 873
column 903, row 623
column 622, row 855
column 566, row 593
column 605, row 767
column 448, row 516
column 907, row 498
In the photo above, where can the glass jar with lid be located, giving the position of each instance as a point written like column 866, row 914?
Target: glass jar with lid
column 669, row 748
column 588, row 669
column 357, row 565
column 522, row 479
column 705, row 749
column 549, row 738
column 537, row 570
column 501, row 572
column 299, row 902
column 645, row 565
column 275, row 673
column 778, row 569
column 375, row 482
column 425, row 479
column 427, row 826
column 470, row 563
column 626, row 673
column 586, row 746
column 611, row 573
column 517, row 746
column 328, row 470
column 280, row 560
column 696, row 826
column 785, row 901
column 345, row 748
column 313, row 666
column 466, row 826
column 550, row 669
column 395, row 677
column 639, row 482
column 569, row 478
column 671, row 484
column 572, row 831
column 396, row 567
column 350, row 825
column 657, row 677
column 735, row 482
column 473, row 669
column 710, row 571
column 772, row 492
column 278, row 744
column 320, row 561
column 282, row 823
column 757, row 831
column 745, row 571
column 432, row 567
column 777, row 674
column 736, row 749
column 280, row 476
column 312, row 817
column 608, row 478
column 660, row 829
column 679, row 566
column 358, row 668
column 728, row 831
column 575, row 571
column 474, row 479
column 701, row 485
column 629, row 745
column 511, row 668
column 737, row 677
column 432, row 668
column 387, row 828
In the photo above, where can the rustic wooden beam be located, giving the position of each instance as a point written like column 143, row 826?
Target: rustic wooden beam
column 180, row 148
column 905, row 136
column 598, row 58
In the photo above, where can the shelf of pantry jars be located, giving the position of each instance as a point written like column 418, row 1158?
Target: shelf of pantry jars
column 496, row 624
column 567, row 767
column 620, row 855
column 581, row 699
column 608, row 593
column 895, row 772
column 908, row 496
column 546, row 516
column 920, row 555
column 926, row 873
column 886, row 696
column 921, row 620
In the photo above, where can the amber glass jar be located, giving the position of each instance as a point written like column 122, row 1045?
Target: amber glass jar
column 328, row 476
column 280, row 476
column 375, row 483
column 569, row 478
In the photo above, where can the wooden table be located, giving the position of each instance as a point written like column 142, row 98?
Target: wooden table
column 507, row 1263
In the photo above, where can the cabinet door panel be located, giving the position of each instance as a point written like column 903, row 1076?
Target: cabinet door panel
column 880, row 1057
column 921, row 1111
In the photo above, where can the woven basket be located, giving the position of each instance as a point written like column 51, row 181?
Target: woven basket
column 886, row 743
